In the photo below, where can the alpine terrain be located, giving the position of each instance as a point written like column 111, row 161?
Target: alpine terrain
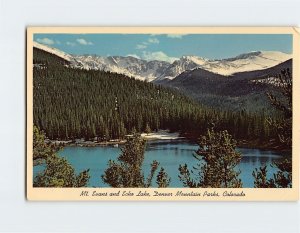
column 158, row 71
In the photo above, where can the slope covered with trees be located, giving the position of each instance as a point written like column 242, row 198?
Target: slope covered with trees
column 75, row 103
column 244, row 90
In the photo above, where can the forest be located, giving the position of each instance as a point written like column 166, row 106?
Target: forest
column 76, row 103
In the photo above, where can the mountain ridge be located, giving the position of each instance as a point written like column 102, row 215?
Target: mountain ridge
column 161, row 71
column 241, row 90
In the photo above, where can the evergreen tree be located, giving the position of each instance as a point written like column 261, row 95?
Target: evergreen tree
column 163, row 179
column 260, row 178
column 284, row 105
column 58, row 172
column 41, row 150
column 283, row 178
column 147, row 129
column 218, row 159
column 127, row 171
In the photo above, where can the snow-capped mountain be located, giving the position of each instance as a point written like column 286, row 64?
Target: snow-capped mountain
column 158, row 71
column 181, row 65
column 258, row 60
column 130, row 66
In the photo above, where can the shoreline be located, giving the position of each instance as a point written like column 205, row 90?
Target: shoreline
column 165, row 135
column 159, row 135
column 265, row 146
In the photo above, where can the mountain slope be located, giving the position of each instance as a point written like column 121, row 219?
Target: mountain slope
column 53, row 51
column 72, row 103
column 78, row 103
column 246, row 62
column 160, row 71
column 179, row 66
column 130, row 66
column 245, row 90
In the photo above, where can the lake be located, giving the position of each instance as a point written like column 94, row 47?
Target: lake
column 170, row 154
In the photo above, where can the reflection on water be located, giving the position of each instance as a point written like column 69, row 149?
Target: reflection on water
column 170, row 154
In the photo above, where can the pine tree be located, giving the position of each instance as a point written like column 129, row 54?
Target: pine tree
column 41, row 150
column 147, row 129
column 127, row 171
column 283, row 178
column 58, row 172
column 260, row 178
column 283, row 127
column 218, row 159
column 162, row 179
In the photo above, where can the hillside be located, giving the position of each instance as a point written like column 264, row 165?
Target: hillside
column 74, row 103
column 244, row 90
column 41, row 58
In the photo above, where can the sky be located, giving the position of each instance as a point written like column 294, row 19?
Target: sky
column 167, row 47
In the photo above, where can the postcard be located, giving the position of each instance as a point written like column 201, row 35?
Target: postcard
column 163, row 113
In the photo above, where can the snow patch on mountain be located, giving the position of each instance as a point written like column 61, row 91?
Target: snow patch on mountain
column 258, row 60
column 54, row 51
column 130, row 66
column 275, row 81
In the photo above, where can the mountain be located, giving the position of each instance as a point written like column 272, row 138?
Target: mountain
column 179, row 66
column 87, row 103
column 246, row 62
column 161, row 71
column 243, row 90
column 71, row 103
column 130, row 66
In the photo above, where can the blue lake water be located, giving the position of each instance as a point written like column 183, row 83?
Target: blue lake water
column 170, row 154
